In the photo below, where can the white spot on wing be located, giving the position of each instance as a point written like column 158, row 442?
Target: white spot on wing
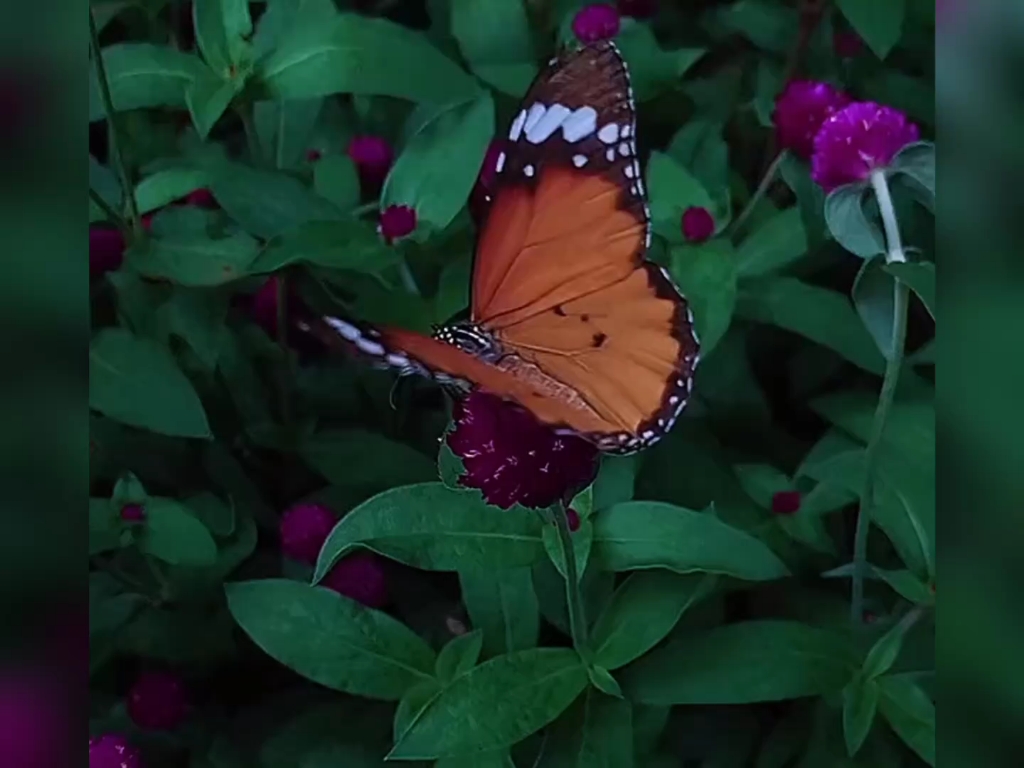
column 501, row 163
column 628, row 170
column 348, row 331
column 528, row 170
column 533, row 117
column 517, row 126
column 626, row 130
column 548, row 124
column 582, row 122
column 579, row 160
column 624, row 149
column 370, row 347
column 609, row 134
column 610, row 155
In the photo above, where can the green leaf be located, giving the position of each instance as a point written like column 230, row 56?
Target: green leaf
column 651, row 68
column 495, row 705
column 453, row 288
column 651, row 534
column 144, row 75
column 700, row 147
column 167, row 185
column 174, row 535
column 194, row 259
column 208, row 98
column 436, row 528
column 873, row 296
column 213, row 513
column 494, row 37
column 137, row 382
column 920, row 278
column 860, row 703
column 886, row 650
column 917, row 161
column 742, row 663
column 809, row 197
column 879, row 22
column 349, row 53
column 768, row 25
column 849, row 224
column 908, row 586
column 104, row 527
column 595, row 732
column 355, row 457
column 267, row 203
column 502, row 602
column 603, row 681
column 672, row 190
column 439, row 165
column 413, row 702
column 335, row 179
column 285, row 128
column 614, row 481
column 330, row 639
column 910, row 713
column 197, row 317
column 128, row 490
column 819, row 314
column 706, row 274
column 459, row 656
column 499, row 758
column 582, row 540
column 350, row 245
column 773, row 246
column 642, row 612
column 223, row 28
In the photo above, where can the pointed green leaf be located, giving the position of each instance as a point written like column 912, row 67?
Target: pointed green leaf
column 502, row 602
column 285, row 128
column 167, row 185
column 860, row 703
column 910, row 713
column 773, row 246
column 223, row 28
column 874, row 298
column 175, row 535
column 850, row 225
column 879, row 22
column 920, row 277
column 494, row 37
column 195, row 260
column 595, row 732
column 459, row 655
column 144, row 75
column 582, row 540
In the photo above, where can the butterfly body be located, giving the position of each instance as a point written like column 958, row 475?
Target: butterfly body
column 567, row 319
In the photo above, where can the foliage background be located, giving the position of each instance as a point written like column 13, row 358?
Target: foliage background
column 196, row 400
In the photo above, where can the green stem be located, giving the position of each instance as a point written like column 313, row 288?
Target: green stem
column 247, row 114
column 760, row 192
column 901, row 299
column 115, row 139
column 112, row 216
column 573, row 596
column 408, row 281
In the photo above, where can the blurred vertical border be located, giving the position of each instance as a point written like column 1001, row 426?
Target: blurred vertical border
column 44, row 326
column 980, row 102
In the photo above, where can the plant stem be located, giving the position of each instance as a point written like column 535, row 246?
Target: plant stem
column 762, row 189
column 252, row 136
column 901, row 299
column 112, row 216
column 573, row 596
column 408, row 281
column 115, row 140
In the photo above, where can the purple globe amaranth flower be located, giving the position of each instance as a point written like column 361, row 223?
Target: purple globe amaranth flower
column 514, row 459
column 638, row 9
column 697, row 224
column 201, row 198
column 786, row 502
column 572, row 517
column 112, row 750
column 360, row 577
column 304, row 529
column 856, row 140
column 373, row 157
column 397, row 221
column 157, row 701
column 133, row 513
column 800, row 110
column 106, row 250
column 596, row 22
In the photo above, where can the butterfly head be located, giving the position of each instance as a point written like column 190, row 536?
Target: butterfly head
column 470, row 338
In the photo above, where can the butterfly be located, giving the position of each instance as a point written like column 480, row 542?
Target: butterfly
column 567, row 317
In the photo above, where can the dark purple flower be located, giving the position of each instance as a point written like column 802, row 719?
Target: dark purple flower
column 359, row 576
column 800, row 110
column 372, row 156
column 112, row 750
column 106, row 250
column 596, row 22
column 847, row 43
column 786, row 502
column 304, row 528
column 697, row 224
column 133, row 513
column 397, row 221
column 514, row 459
column 856, row 140
column 201, row 198
column 264, row 305
column 157, row 701
column 573, row 518
column 638, row 9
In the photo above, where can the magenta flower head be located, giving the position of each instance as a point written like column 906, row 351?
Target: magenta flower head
column 596, row 22
column 638, row 9
column 372, row 156
column 397, row 221
column 698, row 224
column 201, row 198
column 572, row 517
column 157, row 701
column 786, row 502
column 133, row 513
column 359, row 576
column 800, row 110
column 856, row 140
column 112, row 750
column 514, row 459
column 106, row 250
column 304, row 529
